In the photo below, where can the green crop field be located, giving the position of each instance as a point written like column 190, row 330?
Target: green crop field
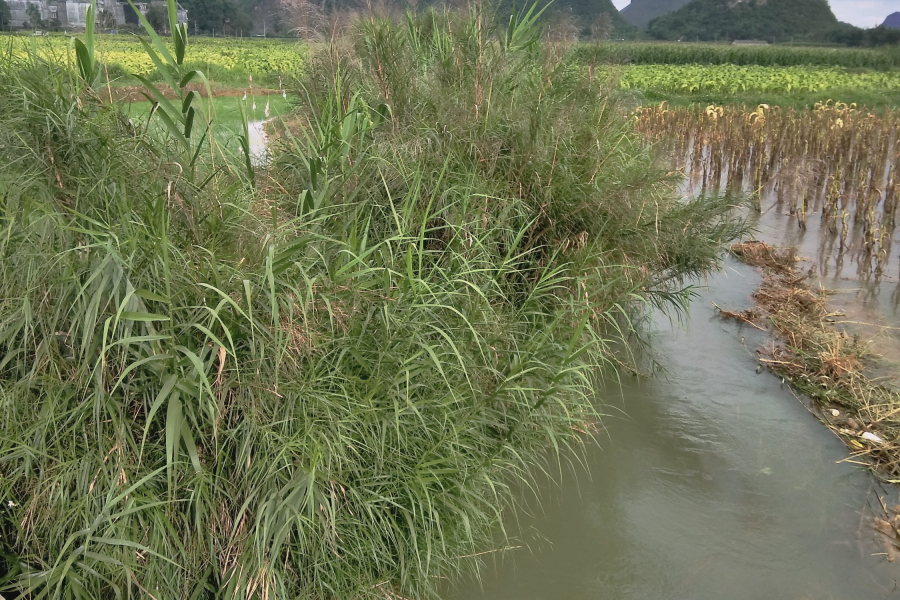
column 219, row 58
column 690, row 72
column 733, row 79
column 720, row 54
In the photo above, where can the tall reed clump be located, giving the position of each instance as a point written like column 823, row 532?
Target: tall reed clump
column 317, row 378
column 484, row 121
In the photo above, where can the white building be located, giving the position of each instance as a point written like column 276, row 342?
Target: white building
column 71, row 14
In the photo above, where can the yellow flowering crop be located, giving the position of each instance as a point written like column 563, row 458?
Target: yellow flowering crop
column 254, row 56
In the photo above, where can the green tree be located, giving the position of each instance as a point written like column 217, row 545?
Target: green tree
column 157, row 16
column 5, row 15
column 34, row 16
column 217, row 15
column 882, row 36
column 106, row 20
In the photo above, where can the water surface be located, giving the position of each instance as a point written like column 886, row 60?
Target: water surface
column 710, row 481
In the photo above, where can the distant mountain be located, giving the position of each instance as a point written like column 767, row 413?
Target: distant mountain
column 587, row 13
column 641, row 12
column 893, row 21
column 772, row 20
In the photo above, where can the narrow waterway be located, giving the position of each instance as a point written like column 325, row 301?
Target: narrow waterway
column 710, row 481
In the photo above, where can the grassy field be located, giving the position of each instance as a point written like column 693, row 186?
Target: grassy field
column 227, row 111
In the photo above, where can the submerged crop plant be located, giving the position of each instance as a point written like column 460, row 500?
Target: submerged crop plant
column 836, row 159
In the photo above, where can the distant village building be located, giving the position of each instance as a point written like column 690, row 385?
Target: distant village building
column 70, row 14
column 749, row 43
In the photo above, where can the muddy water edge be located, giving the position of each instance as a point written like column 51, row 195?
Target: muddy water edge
column 713, row 479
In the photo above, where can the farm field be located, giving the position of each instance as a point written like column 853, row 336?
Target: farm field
column 667, row 53
column 225, row 60
column 794, row 86
column 732, row 79
column 680, row 73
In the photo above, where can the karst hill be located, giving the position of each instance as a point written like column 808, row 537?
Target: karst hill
column 771, row 20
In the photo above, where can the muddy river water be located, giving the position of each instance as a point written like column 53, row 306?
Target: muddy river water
column 712, row 480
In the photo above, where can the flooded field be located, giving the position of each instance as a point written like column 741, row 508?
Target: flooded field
column 712, row 480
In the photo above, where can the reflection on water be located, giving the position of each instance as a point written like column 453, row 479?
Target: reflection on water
column 710, row 482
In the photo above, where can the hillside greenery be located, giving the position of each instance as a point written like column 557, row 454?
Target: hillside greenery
column 640, row 12
column 587, row 14
column 848, row 35
column 771, row 20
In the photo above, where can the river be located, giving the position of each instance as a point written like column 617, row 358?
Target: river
column 711, row 480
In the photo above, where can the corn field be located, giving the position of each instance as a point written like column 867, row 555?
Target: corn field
column 732, row 79
column 644, row 53
column 835, row 159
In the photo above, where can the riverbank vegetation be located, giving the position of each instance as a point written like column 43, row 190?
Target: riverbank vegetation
column 315, row 377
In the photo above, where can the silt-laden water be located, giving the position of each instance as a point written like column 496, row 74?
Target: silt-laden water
column 711, row 481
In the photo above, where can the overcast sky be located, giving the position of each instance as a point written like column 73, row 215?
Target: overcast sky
column 862, row 13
